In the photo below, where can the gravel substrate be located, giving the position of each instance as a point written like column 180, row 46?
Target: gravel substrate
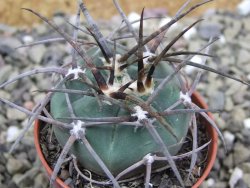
column 232, row 56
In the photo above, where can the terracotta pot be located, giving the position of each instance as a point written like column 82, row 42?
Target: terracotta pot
column 212, row 150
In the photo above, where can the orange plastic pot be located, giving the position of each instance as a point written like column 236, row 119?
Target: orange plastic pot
column 212, row 150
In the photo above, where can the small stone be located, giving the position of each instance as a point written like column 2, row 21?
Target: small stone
column 41, row 29
column 223, row 174
column 217, row 100
column 244, row 8
column 245, row 167
column 59, row 20
column 229, row 105
column 17, row 166
column 246, row 24
column 12, row 133
column 190, row 33
column 5, row 72
column 228, row 161
column 241, row 153
column 167, row 19
column 14, row 114
column 2, row 169
column 246, row 123
column 235, row 177
column 221, row 184
column 241, row 184
column 208, row 30
column 133, row 16
column 238, row 116
column 195, row 59
column 246, row 178
column 39, row 97
column 17, row 179
column 27, row 39
column 29, row 105
column 238, row 98
column 6, row 29
column 229, row 139
column 210, row 182
column 3, row 120
column 243, row 57
column 11, row 42
column 36, row 53
column 233, row 29
column 41, row 181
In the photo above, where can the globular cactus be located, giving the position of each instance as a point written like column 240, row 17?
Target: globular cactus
column 118, row 145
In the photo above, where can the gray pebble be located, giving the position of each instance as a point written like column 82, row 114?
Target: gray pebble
column 14, row 114
column 36, row 53
column 207, row 30
column 5, row 72
column 41, row 181
column 246, row 178
column 17, row 166
column 241, row 153
column 217, row 100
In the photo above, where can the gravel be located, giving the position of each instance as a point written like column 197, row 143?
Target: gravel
column 231, row 56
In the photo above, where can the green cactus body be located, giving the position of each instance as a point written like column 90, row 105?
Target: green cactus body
column 119, row 146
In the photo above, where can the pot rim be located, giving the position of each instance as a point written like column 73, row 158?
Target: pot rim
column 212, row 150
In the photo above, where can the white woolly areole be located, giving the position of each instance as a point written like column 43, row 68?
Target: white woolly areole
column 140, row 113
column 76, row 72
column 77, row 129
column 148, row 55
column 186, row 98
column 149, row 159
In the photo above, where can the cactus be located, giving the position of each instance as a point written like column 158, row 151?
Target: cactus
column 119, row 109
column 120, row 146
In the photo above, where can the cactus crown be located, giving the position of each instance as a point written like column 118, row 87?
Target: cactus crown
column 120, row 108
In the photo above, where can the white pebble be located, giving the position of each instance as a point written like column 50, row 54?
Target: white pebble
column 195, row 59
column 72, row 19
column 166, row 20
column 133, row 16
column 222, row 39
column 190, row 33
column 244, row 8
column 246, row 123
column 248, row 77
column 229, row 137
column 235, row 177
column 210, row 182
column 12, row 133
column 27, row 39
